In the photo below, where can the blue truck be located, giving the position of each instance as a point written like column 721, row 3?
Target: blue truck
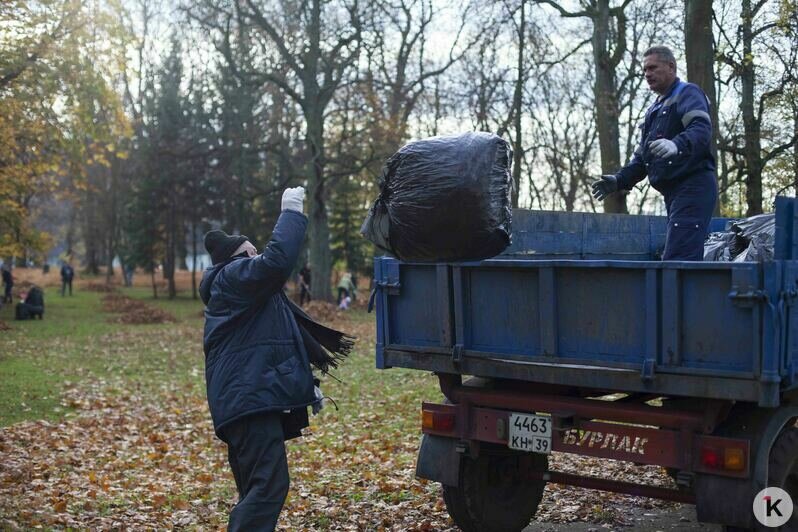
column 578, row 339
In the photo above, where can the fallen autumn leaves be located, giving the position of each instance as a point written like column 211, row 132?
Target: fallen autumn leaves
column 134, row 311
column 122, row 462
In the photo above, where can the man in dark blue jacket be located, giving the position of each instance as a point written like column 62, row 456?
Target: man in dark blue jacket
column 674, row 152
column 256, row 366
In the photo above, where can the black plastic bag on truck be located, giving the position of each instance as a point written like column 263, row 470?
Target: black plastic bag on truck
column 444, row 199
column 761, row 225
column 737, row 244
column 716, row 247
column 760, row 234
column 748, row 240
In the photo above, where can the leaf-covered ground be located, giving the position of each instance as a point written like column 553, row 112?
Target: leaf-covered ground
column 107, row 428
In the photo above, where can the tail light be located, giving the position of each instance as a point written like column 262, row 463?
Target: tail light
column 437, row 421
column 727, row 458
column 711, row 458
column 734, row 459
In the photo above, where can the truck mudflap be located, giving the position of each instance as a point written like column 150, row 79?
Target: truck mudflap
column 438, row 460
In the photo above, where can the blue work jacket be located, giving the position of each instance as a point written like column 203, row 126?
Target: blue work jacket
column 255, row 360
column 681, row 115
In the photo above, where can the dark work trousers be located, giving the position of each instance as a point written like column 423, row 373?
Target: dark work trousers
column 690, row 204
column 256, row 451
column 64, row 285
column 7, row 298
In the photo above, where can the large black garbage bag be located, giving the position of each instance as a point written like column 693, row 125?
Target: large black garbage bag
column 748, row 240
column 760, row 233
column 444, row 199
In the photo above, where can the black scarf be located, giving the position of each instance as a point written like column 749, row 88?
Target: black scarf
column 326, row 347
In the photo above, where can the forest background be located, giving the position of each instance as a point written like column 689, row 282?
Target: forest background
column 128, row 128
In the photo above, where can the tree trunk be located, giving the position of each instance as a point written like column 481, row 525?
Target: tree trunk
column 91, row 235
column 319, row 230
column 194, row 259
column 320, row 260
column 699, row 46
column 436, row 104
column 111, row 219
column 607, row 112
column 752, row 148
column 154, row 283
column 517, row 105
column 169, row 262
column 71, row 230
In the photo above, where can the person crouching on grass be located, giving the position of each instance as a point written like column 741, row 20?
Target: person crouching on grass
column 259, row 347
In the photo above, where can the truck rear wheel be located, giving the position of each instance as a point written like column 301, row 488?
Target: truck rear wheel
column 493, row 494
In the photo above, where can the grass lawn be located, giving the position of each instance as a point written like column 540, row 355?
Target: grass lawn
column 76, row 342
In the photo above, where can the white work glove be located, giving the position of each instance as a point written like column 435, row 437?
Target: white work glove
column 294, row 199
column 605, row 186
column 663, row 148
column 319, row 403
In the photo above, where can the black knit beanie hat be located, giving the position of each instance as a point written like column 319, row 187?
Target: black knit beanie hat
column 220, row 245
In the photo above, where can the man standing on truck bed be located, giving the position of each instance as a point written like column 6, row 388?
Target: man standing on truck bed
column 674, row 152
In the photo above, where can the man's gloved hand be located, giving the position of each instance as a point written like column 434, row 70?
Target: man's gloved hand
column 605, row 186
column 294, row 199
column 663, row 148
column 319, row 404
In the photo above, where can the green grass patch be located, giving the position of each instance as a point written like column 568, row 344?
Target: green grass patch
column 77, row 342
column 76, row 316
column 27, row 392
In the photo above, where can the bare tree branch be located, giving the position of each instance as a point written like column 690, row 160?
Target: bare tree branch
column 778, row 150
column 565, row 13
column 276, row 38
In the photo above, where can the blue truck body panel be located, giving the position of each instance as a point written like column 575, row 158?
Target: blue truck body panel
column 579, row 299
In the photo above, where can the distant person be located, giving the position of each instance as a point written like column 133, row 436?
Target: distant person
column 67, row 274
column 345, row 287
column 32, row 305
column 128, row 273
column 304, row 285
column 46, row 268
column 8, row 282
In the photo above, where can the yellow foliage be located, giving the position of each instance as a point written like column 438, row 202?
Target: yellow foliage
column 26, row 168
column 58, row 113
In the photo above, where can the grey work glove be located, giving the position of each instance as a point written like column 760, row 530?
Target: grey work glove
column 319, row 403
column 294, row 199
column 605, row 186
column 663, row 148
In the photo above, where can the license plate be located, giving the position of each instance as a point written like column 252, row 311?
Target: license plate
column 530, row 433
